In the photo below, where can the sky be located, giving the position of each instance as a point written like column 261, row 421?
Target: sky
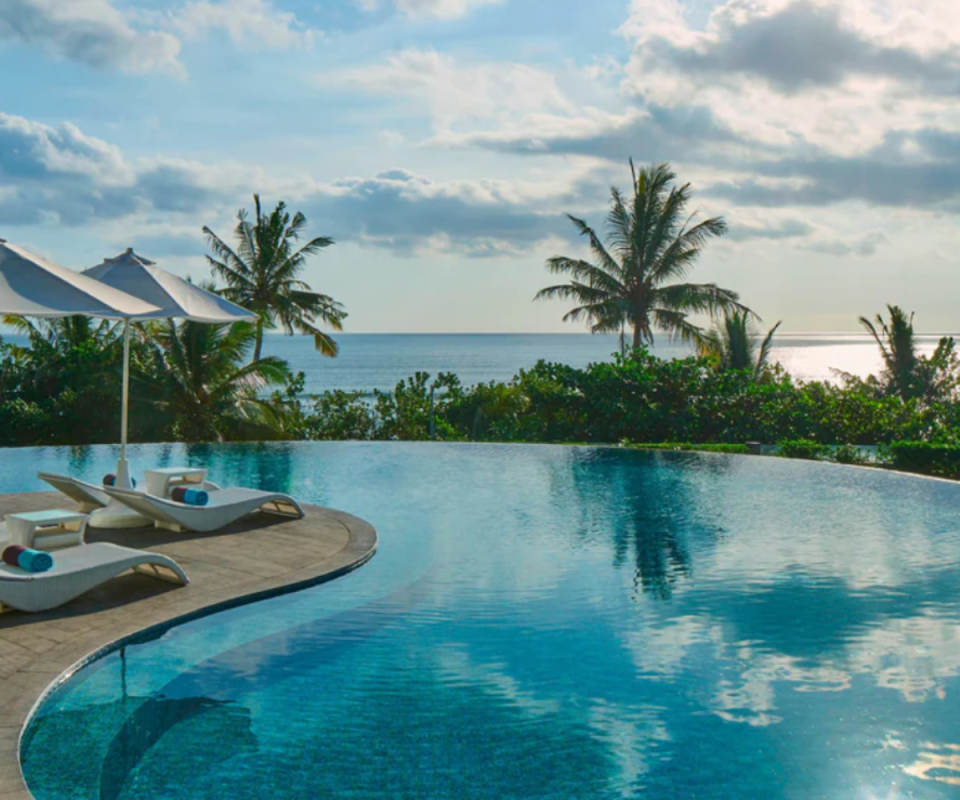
column 441, row 142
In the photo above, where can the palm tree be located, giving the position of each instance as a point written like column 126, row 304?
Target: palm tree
column 263, row 275
column 734, row 344
column 898, row 348
column 197, row 378
column 64, row 334
column 652, row 243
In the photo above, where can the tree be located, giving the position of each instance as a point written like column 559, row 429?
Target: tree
column 263, row 275
column 898, row 349
column 652, row 243
column 203, row 388
column 735, row 344
column 64, row 333
column 906, row 373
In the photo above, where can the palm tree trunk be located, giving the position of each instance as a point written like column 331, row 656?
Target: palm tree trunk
column 259, row 345
column 636, row 336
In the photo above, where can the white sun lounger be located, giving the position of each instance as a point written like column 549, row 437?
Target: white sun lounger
column 77, row 570
column 225, row 506
column 89, row 496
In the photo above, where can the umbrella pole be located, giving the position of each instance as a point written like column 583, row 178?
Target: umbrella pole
column 115, row 514
column 123, row 468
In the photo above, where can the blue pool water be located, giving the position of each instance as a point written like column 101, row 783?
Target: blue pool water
column 545, row 622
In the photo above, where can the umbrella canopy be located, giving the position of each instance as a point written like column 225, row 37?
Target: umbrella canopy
column 31, row 286
column 171, row 294
column 166, row 296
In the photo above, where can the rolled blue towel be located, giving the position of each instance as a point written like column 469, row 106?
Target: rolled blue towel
column 192, row 497
column 35, row 561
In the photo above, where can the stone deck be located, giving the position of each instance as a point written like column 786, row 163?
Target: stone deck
column 263, row 555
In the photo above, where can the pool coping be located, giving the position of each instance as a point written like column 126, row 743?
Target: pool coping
column 27, row 685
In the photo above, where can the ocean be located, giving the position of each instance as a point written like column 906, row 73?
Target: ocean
column 369, row 361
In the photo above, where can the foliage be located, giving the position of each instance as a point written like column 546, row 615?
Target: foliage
column 803, row 449
column 642, row 399
column 340, row 415
column 849, row 454
column 263, row 275
column 201, row 386
column 927, row 458
column 189, row 382
column 734, row 344
column 906, row 373
column 638, row 278
column 735, row 449
column 64, row 388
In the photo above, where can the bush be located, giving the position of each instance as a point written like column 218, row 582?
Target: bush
column 849, row 454
column 803, row 448
column 927, row 458
column 737, row 449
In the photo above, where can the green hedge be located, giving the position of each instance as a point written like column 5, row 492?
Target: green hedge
column 803, row 448
column 740, row 449
column 942, row 460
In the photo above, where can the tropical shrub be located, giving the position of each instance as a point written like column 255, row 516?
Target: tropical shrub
column 803, row 448
column 735, row 449
column 927, row 458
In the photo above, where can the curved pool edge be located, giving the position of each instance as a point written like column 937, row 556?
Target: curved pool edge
column 34, row 664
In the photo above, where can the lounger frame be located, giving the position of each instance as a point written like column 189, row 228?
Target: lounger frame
column 227, row 506
column 89, row 496
column 79, row 569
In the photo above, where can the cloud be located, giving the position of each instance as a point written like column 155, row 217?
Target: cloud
column 914, row 169
column 866, row 245
column 799, row 46
column 90, row 32
column 774, row 103
column 835, row 74
column 659, row 134
column 437, row 9
column 62, row 176
column 32, row 150
column 784, row 229
column 243, row 21
column 409, row 214
column 460, row 95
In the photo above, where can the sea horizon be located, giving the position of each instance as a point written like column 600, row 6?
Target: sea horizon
column 373, row 361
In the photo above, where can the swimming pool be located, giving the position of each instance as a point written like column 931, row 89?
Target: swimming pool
column 545, row 622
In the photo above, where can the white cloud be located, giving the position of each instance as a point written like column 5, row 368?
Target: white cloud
column 461, row 95
column 90, row 32
column 438, row 9
column 62, row 176
column 243, row 20
column 412, row 214
column 837, row 75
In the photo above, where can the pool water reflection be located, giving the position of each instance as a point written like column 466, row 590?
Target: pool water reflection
column 546, row 622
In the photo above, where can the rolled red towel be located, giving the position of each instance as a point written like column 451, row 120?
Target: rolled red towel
column 189, row 496
column 110, row 479
column 12, row 553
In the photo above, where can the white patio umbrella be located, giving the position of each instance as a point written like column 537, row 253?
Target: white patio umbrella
column 170, row 297
column 32, row 286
